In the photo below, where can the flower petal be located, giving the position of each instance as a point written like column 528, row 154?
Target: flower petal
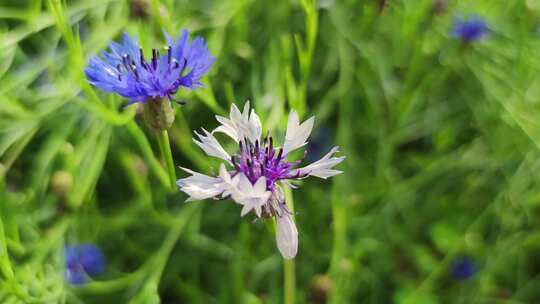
column 211, row 146
column 228, row 184
column 240, row 125
column 297, row 133
column 323, row 167
column 286, row 235
column 252, row 197
column 200, row 186
column 227, row 127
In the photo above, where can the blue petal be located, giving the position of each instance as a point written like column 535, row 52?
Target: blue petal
column 75, row 277
column 91, row 259
column 85, row 258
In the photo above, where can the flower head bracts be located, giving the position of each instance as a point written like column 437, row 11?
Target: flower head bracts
column 258, row 170
column 126, row 71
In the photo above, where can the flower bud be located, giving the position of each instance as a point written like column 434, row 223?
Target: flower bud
column 62, row 181
column 139, row 8
column 321, row 287
column 140, row 166
column 159, row 114
column 439, row 7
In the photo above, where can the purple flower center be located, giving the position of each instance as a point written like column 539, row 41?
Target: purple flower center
column 261, row 159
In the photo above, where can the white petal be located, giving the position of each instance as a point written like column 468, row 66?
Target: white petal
column 289, row 184
column 240, row 125
column 235, row 114
column 211, row 146
column 297, row 133
column 255, row 126
column 323, row 167
column 243, row 189
column 247, row 208
column 260, row 185
column 227, row 127
column 245, row 112
column 229, row 184
column 253, row 197
column 199, row 186
column 286, row 236
column 258, row 210
column 224, row 174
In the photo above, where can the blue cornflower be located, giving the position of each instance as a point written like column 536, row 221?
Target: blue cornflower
column 463, row 268
column 126, row 71
column 83, row 261
column 469, row 30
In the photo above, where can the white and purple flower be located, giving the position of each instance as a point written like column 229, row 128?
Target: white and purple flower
column 258, row 170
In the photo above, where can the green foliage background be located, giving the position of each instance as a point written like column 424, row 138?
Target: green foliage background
column 442, row 142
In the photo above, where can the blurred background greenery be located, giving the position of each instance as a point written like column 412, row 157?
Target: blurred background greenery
column 439, row 202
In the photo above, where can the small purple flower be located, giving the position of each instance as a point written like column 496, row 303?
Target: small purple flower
column 83, row 261
column 126, row 71
column 463, row 268
column 258, row 170
column 469, row 30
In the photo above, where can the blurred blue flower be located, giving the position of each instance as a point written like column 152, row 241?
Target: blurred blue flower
column 463, row 268
column 83, row 261
column 469, row 30
column 125, row 70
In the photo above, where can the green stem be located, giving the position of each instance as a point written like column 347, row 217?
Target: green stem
column 166, row 249
column 289, row 267
column 290, row 281
column 166, row 153
column 162, row 256
column 154, row 267
column 146, row 149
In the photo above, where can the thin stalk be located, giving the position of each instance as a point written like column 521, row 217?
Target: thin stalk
column 146, row 149
column 166, row 153
column 160, row 259
column 289, row 267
